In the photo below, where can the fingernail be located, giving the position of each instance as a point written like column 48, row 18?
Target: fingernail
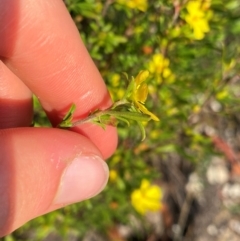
column 83, row 178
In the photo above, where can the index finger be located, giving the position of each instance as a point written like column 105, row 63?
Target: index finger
column 42, row 46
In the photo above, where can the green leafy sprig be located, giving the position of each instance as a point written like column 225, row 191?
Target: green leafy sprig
column 130, row 108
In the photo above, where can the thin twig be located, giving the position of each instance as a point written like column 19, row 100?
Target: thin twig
column 183, row 217
column 106, row 6
column 109, row 111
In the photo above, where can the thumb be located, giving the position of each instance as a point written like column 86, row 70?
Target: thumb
column 43, row 169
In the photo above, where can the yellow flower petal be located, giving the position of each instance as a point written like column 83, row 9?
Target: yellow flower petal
column 142, row 93
column 142, row 76
column 198, row 34
column 151, row 205
column 144, row 184
column 166, row 73
column 144, row 110
column 153, row 192
column 139, row 93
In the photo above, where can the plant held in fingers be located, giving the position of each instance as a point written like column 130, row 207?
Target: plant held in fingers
column 131, row 107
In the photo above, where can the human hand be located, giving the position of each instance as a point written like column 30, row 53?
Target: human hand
column 43, row 169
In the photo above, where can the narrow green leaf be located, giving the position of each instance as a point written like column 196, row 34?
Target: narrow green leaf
column 142, row 129
column 136, row 116
column 123, row 119
column 103, row 125
column 129, row 89
column 65, row 124
column 125, row 75
column 67, row 119
column 70, row 112
column 104, row 120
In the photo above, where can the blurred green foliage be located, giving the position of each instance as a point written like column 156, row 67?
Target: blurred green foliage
column 192, row 83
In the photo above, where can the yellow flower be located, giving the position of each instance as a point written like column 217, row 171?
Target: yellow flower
column 140, row 93
column 115, row 80
column 146, row 198
column 113, row 175
column 197, row 19
column 154, row 134
column 196, row 109
column 159, row 65
column 120, row 93
column 135, row 4
column 222, row 94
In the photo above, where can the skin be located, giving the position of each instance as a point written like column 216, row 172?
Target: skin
column 41, row 53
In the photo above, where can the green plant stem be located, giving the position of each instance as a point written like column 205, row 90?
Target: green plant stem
column 119, row 103
column 98, row 114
